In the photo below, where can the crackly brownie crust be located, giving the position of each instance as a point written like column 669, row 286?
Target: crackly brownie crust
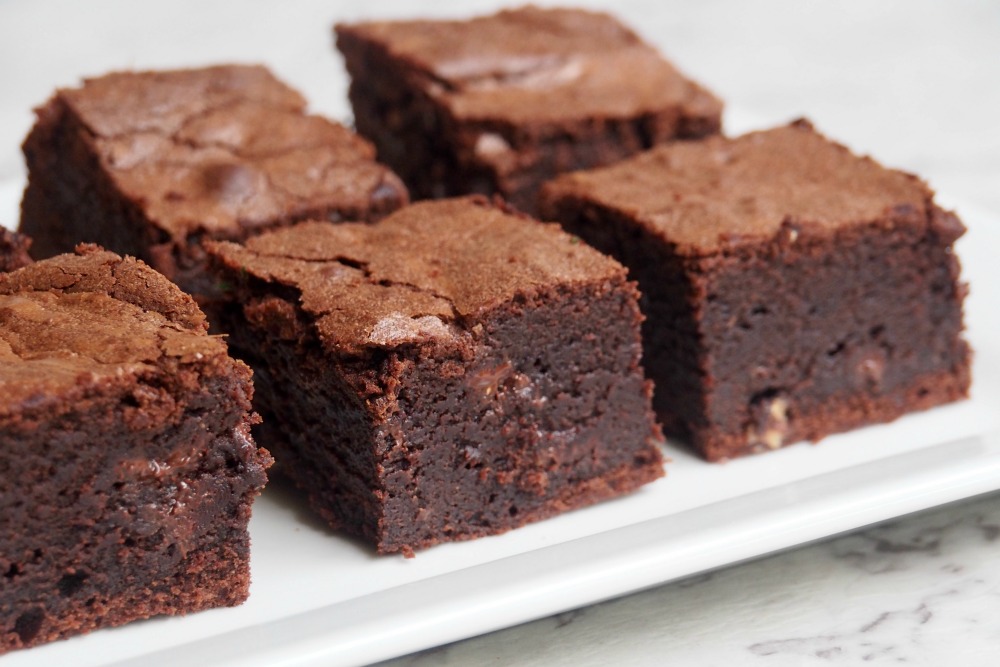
column 792, row 289
column 450, row 372
column 127, row 470
column 150, row 163
column 13, row 250
column 500, row 103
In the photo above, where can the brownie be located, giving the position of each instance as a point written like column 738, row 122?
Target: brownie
column 151, row 163
column 13, row 250
column 127, row 469
column 453, row 371
column 792, row 289
column 501, row 103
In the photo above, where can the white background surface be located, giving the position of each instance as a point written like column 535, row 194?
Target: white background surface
column 913, row 83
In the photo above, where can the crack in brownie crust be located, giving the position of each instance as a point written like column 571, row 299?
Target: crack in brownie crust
column 450, row 372
column 127, row 470
column 792, row 290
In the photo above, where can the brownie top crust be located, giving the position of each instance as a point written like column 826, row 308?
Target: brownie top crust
column 221, row 150
column 123, row 103
column 535, row 65
column 426, row 272
column 708, row 195
column 73, row 322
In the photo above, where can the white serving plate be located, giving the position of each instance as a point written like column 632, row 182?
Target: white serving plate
column 320, row 599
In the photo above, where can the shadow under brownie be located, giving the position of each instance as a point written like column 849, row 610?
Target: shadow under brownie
column 449, row 372
column 127, row 470
column 792, row 289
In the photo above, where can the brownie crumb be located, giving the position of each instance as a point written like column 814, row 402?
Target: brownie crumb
column 13, row 250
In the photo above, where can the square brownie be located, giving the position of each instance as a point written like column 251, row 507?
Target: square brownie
column 452, row 371
column 127, row 470
column 792, row 289
column 501, row 103
column 151, row 163
column 13, row 250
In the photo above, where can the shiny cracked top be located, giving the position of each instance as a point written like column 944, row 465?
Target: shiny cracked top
column 702, row 196
column 73, row 322
column 426, row 272
column 222, row 149
column 537, row 65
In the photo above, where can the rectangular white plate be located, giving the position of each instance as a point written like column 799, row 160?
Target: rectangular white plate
column 320, row 599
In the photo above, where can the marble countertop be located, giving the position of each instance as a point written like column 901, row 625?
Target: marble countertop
column 914, row 83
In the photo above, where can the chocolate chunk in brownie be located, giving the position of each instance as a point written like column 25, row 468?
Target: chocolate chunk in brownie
column 792, row 289
column 127, row 469
column 13, row 250
column 499, row 104
column 452, row 371
column 151, row 163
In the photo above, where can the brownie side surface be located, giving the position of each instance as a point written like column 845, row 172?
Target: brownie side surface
column 500, row 103
column 150, row 163
column 450, row 372
column 792, row 290
column 127, row 471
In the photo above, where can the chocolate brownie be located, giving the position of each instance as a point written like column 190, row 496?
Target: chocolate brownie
column 127, row 470
column 13, row 250
column 499, row 104
column 151, row 163
column 792, row 289
column 452, row 371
